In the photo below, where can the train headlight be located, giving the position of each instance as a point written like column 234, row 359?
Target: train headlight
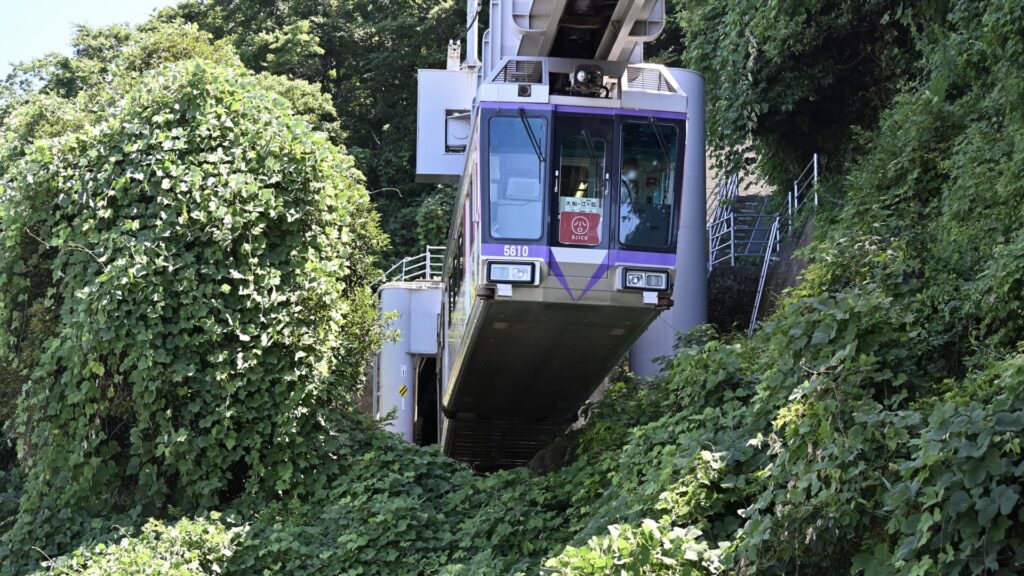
column 510, row 273
column 646, row 280
column 634, row 279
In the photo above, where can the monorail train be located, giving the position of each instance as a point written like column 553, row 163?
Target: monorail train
column 562, row 250
column 569, row 154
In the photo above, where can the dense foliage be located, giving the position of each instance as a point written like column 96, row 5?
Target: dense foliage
column 872, row 426
column 365, row 56
column 186, row 548
column 185, row 300
column 793, row 78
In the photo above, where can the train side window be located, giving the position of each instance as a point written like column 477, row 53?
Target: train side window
column 648, row 181
column 516, row 174
column 455, row 276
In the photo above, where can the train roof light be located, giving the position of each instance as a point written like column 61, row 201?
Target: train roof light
column 588, row 80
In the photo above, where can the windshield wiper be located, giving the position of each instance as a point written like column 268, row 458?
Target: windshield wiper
column 589, row 145
column 661, row 141
column 533, row 137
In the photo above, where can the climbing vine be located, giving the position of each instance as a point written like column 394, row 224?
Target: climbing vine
column 206, row 259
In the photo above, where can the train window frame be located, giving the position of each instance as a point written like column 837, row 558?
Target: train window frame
column 456, row 276
column 538, row 139
column 672, row 177
column 588, row 129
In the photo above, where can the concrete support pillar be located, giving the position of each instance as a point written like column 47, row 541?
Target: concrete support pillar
column 395, row 366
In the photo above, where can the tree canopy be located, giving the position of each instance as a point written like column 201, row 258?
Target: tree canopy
column 365, row 56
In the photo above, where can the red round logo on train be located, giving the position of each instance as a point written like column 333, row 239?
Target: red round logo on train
column 580, row 228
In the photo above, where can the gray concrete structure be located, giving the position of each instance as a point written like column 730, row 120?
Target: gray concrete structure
column 414, row 307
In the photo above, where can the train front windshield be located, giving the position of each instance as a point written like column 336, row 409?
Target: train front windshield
column 648, row 184
column 583, row 180
column 516, row 174
column 582, row 174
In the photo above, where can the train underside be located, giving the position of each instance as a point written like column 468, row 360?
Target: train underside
column 530, row 366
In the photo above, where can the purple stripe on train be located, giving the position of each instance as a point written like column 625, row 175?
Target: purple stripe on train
column 612, row 258
column 597, row 276
column 557, row 271
column 666, row 259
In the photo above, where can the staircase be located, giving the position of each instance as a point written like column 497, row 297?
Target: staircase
column 753, row 225
column 739, row 229
column 743, row 234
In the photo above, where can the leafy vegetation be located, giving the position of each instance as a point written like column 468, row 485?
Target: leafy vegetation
column 872, row 426
column 365, row 55
column 186, row 302
column 793, row 78
column 188, row 548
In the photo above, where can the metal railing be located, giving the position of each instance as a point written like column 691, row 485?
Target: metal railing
column 806, row 183
column 721, row 235
column 424, row 266
column 774, row 237
column 725, row 191
column 721, row 240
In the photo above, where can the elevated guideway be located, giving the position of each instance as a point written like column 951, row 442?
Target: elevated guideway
column 612, row 31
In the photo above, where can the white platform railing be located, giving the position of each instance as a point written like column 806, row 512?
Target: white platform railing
column 424, row 266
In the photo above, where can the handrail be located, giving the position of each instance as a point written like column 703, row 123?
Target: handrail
column 721, row 225
column 427, row 265
column 720, row 220
column 806, row 181
column 773, row 242
column 718, row 243
column 726, row 189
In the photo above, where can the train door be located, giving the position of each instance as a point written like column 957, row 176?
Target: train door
column 582, row 174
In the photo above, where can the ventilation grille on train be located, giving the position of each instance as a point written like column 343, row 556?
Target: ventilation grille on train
column 521, row 72
column 650, row 79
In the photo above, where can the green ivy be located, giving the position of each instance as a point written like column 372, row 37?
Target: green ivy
column 207, row 264
column 198, row 547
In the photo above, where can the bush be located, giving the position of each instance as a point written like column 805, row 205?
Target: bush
column 207, row 258
column 651, row 548
column 187, row 548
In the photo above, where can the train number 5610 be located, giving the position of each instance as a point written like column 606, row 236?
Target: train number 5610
column 517, row 251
